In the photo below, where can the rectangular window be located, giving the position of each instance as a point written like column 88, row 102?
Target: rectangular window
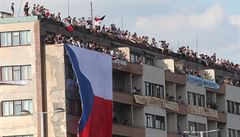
column 25, row 37
column 148, row 89
column 15, row 39
column 154, row 90
column 7, row 108
column 237, row 108
column 196, row 99
column 149, row 61
column 6, row 39
column 149, row 120
column 16, row 73
column 231, row 133
column 26, row 72
column 20, row 136
column 238, row 133
column 7, row 74
column 155, row 121
column 159, row 91
column 13, row 108
column 193, row 126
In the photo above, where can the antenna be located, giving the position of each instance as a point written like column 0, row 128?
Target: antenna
column 122, row 22
column 19, row 8
column 68, row 7
column 91, row 12
column 197, row 43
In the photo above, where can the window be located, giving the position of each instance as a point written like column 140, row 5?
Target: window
column 154, row 90
column 149, row 89
column 135, row 58
column 74, row 107
column 196, row 99
column 25, row 38
column 238, row 133
column 15, row 73
column 193, row 126
column 16, row 38
column 6, row 74
column 13, row 108
column 159, row 91
column 149, row 61
column 233, row 107
column 231, row 133
column 149, row 121
column 155, row 121
column 20, row 136
column 237, row 108
column 6, row 39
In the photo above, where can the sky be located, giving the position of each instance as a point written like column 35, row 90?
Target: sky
column 206, row 26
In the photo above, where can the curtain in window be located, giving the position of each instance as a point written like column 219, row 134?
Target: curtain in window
column 16, row 73
column 17, row 107
column 6, row 73
column 15, row 38
column 7, row 108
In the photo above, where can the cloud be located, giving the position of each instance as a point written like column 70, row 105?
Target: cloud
column 172, row 22
column 211, row 18
column 234, row 20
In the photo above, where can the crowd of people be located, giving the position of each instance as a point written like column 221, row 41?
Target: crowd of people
column 60, row 39
column 113, row 32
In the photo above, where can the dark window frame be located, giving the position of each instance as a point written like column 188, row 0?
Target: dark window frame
column 19, row 38
column 13, row 107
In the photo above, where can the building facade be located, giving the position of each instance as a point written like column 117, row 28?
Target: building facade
column 154, row 98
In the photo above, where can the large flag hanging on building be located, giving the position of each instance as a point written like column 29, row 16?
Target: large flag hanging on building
column 94, row 76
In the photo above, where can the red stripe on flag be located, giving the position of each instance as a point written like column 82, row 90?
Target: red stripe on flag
column 99, row 123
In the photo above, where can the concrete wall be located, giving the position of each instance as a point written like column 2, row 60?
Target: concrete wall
column 155, row 110
column 55, row 82
column 20, row 55
column 166, row 64
column 153, row 74
column 233, row 94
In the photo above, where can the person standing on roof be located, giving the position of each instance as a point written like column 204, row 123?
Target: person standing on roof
column 12, row 9
column 26, row 9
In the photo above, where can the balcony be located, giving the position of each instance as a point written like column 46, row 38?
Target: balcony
column 202, row 111
column 222, row 117
column 173, row 134
column 128, row 130
column 123, row 97
column 175, row 77
column 182, row 109
column 127, row 67
column 221, row 90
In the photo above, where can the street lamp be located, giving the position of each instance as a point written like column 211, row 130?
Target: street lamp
column 201, row 132
column 57, row 110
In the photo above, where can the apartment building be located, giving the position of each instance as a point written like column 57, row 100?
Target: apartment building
column 150, row 99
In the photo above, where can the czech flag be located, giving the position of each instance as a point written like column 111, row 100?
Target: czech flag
column 99, row 19
column 68, row 26
column 94, row 76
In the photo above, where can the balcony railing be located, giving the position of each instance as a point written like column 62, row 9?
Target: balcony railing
column 128, row 130
column 202, row 111
column 175, row 77
column 173, row 134
column 128, row 67
column 221, row 90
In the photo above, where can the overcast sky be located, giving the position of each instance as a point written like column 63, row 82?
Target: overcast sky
column 215, row 24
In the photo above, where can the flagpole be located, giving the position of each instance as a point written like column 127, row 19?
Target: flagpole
column 19, row 8
column 68, row 7
column 91, row 12
column 122, row 22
